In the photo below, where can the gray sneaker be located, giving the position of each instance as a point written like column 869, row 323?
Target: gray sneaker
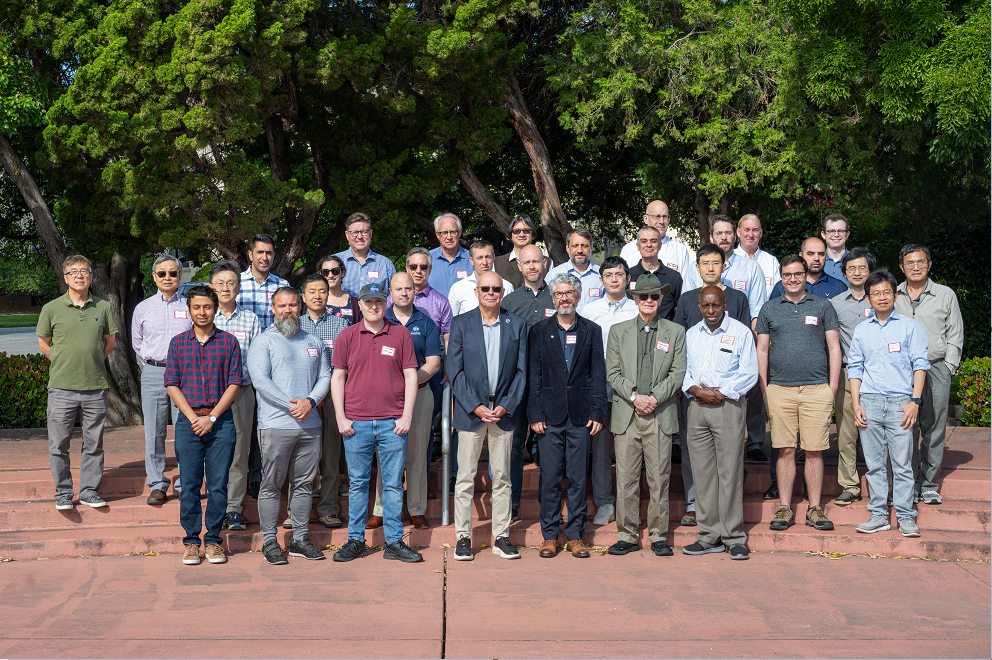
column 94, row 501
column 908, row 527
column 604, row 515
column 930, row 497
column 874, row 524
column 64, row 502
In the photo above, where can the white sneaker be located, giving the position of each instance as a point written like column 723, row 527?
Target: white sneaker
column 930, row 497
column 874, row 524
column 605, row 515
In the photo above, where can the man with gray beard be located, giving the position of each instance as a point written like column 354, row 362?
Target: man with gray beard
column 292, row 375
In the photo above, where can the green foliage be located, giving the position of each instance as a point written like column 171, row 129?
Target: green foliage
column 975, row 391
column 23, row 277
column 19, row 92
column 23, row 391
column 202, row 274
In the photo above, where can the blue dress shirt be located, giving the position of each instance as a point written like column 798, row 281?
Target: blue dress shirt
column 592, row 285
column 835, row 269
column 885, row 355
column 376, row 269
column 445, row 273
column 725, row 358
column 827, row 286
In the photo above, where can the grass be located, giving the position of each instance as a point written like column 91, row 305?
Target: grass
column 18, row 320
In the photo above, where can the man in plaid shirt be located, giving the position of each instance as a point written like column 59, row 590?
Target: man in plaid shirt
column 257, row 283
column 203, row 377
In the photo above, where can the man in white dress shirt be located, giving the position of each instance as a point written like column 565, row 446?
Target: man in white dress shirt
column 673, row 254
column 749, row 233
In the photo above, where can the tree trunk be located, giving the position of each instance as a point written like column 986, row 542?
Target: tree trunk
column 556, row 226
column 704, row 211
column 484, row 198
column 43, row 218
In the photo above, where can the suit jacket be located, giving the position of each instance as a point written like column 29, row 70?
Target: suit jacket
column 557, row 394
column 469, row 374
column 621, row 372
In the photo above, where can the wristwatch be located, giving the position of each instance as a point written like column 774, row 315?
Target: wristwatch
column 313, row 404
column 212, row 419
column 917, row 401
column 633, row 396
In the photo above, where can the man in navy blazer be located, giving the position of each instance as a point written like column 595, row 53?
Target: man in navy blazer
column 567, row 404
column 487, row 367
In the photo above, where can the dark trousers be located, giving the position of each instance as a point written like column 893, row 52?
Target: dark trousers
column 564, row 453
column 209, row 456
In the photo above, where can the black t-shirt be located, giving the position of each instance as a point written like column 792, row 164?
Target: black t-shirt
column 666, row 275
column 688, row 313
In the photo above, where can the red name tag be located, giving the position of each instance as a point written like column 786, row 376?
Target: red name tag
column 180, row 314
column 728, row 339
column 373, row 274
column 313, row 352
column 595, row 293
column 674, row 267
column 548, row 313
column 329, row 343
column 388, row 350
column 632, row 285
column 895, row 347
column 661, row 346
column 869, row 312
column 768, row 281
column 240, row 335
column 268, row 295
column 740, row 285
column 461, row 274
column 570, row 339
column 812, row 320
column 347, row 311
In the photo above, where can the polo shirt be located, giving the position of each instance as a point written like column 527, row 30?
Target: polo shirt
column 835, row 268
column 826, row 286
column 531, row 307
column 767, row 263
column 673, row 254
column 434, row 305
column 592, row 285
column 798, row 334
column 77, row 361
column 885, row 355
column 741, row 274
column 666, row 306
column 376, row 269
column 424, row 333
column 725, row 358
column 257, row 297
column 445, row 272
column 937, row 310
column 375, row 364
column 851, row 312
column 688, row 315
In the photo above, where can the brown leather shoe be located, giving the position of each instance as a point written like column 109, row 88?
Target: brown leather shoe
column 549, row 548
column 577, row 548
column 420, row 522
column 156, row 497
column 374, row 522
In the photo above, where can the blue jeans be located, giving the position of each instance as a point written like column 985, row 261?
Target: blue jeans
column 209, row 456
column 885, row 438
column 372, row 435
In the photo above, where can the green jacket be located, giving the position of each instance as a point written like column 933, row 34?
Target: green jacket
column 621, row 372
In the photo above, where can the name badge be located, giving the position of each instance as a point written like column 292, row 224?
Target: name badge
column 869, row 312
column 548, row 313
column 674, row 267
column 661, row 346
column 373, row 274
column 812, row 320
column 740, row 285
column 632, row 285
column 240, row 335
column 388, row 350
column 347, row 311
column 329, row 343
column 570, row 339
column 268, row 295
column 180, row 314
column 313, row 352
column 895, row 347
column 768, row 281
column 461, row 274
column 595, row 293
column 728, row 339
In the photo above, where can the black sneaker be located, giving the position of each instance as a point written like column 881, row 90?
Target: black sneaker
column 515, row 516
column 622, row 548
column 757, row 455
column 463, row 551
column 700, row 548
column 662, row 549
column 771, row 493
column 305, row 549
column 402, row 552
column 273, row 553
column 846, row 497
column 233, row 520
column 503, row 548
column 739, row 551
column 353, row 549
column 451, row 486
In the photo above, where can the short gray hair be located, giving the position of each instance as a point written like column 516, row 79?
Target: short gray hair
column 76, row 259
column 649, row 228
column 419, row 250
column 162, row 258
column 569, row 279
column 438, row 219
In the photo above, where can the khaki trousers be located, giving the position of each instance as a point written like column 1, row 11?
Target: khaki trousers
column 847, row 437
column 242, row 410
column 416, row 457
column 643, row 443
column 469, row 449
column 716, row 444
column 330, row 462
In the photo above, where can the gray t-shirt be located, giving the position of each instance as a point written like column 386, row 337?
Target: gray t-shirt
column 798, row 335
column 851, row 312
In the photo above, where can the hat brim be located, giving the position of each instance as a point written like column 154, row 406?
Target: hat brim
column 663, row 289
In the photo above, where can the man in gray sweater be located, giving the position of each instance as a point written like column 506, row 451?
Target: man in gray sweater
column 291, row 375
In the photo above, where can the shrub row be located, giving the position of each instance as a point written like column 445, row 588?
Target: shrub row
column 23, row 391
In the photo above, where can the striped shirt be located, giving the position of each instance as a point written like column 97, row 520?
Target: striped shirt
column 155, row 322
column 592, row 285
column 725, row 358
column 245, row 326
column 203, row 372
column 257, row 298
column 434, row 305
column 326, row 328
column 376, row 269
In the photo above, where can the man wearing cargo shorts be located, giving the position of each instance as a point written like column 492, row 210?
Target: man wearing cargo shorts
column 799, row 358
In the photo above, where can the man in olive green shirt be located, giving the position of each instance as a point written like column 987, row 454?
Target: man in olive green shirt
column 76, row 333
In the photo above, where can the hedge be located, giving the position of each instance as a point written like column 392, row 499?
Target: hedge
column 23, row 391
column 975, row 390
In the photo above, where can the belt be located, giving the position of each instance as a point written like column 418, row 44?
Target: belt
column 843, row 365
column 203, row 412
column 156, row 363
column 423, row 385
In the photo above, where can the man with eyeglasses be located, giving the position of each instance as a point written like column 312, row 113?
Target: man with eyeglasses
column 818, row 282
column 258, row 284
column 522, row 234
column 673, row 254
column 834, row 230
column 362, row 264
column 648, row 241
column 76, row 333
column 749, row 233
column 741, row 274
column 426, row 298
column 462, row 297
column 450, row 261
column 579, row 250
column 799, row 366
column 935, row 307
column 853, row 308
column 155, row 322
column 645, row 365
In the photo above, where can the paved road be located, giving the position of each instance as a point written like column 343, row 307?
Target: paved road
column 19, row 341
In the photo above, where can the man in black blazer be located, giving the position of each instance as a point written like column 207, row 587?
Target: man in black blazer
column 487, row 367
column 567, row 404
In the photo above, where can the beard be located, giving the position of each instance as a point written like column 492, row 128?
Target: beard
column 288, row 326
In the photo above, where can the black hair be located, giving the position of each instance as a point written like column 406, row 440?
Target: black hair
column 710, row 248
column 880, row 276
column 911, row 248
column 613, row 262
column 262, row 238
column 858, row 253
column 224, row 267
column 201, row 290
column 793, row 259
column 313, row 277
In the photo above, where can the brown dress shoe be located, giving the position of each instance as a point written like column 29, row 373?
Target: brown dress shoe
column 374, row 522
column 156, row 497
column 549, row 548
column 420, row 522
column 577, row 548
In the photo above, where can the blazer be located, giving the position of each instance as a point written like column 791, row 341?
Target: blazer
column 557, row 394
column 621, row 372
column 469, row 374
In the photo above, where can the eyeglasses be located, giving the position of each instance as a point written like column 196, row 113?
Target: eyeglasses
column 414, row 267
column 446, row 234
column 916, row 265
column 723, row 234
column 169, row 273
column 643, row 297
column 487, row 289
column 225, row 286
column 331, row 271
column 517, row 232
column 835, row 232
column 856, row 269
column 793, row 276
column 877, row 295
column 76, row 273
column 656, row 217
column 561, row 295
column 360, row 232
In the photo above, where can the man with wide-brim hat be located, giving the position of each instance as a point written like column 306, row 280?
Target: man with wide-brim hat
column 645, row 365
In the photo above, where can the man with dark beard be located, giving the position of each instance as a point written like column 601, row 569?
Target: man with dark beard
column 291, row 374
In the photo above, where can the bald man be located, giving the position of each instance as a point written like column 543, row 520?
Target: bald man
column 673, row 254
column 818, row 282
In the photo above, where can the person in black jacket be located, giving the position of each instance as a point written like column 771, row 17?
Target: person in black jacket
column 567, row 404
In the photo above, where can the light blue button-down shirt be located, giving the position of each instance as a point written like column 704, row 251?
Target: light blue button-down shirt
column 742, row 274
column 377, row 269
column 445, row 273
column 592, row 286
column 257, row 298
column 725, row 358
column 836, row 268
column 885, row 355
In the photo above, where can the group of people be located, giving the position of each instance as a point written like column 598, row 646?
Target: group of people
column 650, row 358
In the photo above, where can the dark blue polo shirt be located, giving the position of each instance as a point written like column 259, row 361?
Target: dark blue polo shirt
column 825, row 287
column 426, row 338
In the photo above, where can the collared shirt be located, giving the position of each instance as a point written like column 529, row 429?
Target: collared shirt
column 423, row 331
column 647, row 344
column 530, row 306
column 285, row 368
column 203, row 372
column 244, row 325
column 434, row 305
column 725, row 358
column 851, row 312
column 797, row 354
column 769, row 266
column 688, row 314
column 835, row 268
column 885, row 355
column 376, row 386
column 257, row 298
column 77, row 334
column 607, row 314
column 741, row 274
column 665, row 275
column 826, row 286
column 462, row 296
column 673, row 254
column 445, row 272
column 155, row 322
column 938, row 312
column 491, row 335
column 568, row 337
column 376, row 269
column 592, row 286
column 326, row 328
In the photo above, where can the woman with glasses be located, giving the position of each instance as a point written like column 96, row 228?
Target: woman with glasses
column 339, row 303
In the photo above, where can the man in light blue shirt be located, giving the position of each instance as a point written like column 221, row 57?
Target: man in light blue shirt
column 887, row 366
column 835, row 231
column 258, row 284
column 721, row 366
column 362, row 265
column 450, row 262
column 579, row 250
